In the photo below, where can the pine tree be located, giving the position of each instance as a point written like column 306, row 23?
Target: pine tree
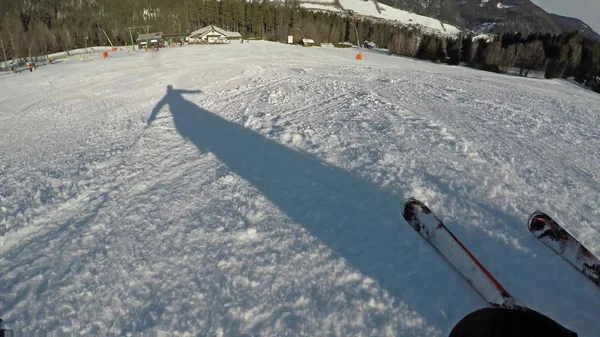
column 426, row 43
column 226, row 14
column 440, row 50
column 587, row 64
column 479, row 54
column 466, row 55
column 454, row 49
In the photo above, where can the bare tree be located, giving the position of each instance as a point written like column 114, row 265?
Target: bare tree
column 403, row 43
column 493, row 53
column 30, row 41
column 65, row 40
column 508, row 57
column 3, row 46
column 14, row 31
column 472, row 50
column 409, row 44
column 394, row 45
column 532, row 56
column 324, row 31
column 282, row 33
column 573, row 57
column 310, row 31
column 43, row 37
column 519, row 50
column 336, row 34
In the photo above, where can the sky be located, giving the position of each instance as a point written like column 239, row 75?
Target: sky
column 586, row 10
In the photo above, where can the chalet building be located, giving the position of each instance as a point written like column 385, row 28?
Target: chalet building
column 213, row 35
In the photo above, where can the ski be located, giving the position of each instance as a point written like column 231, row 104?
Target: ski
column 543, row 227
column 5, row 332
column 426, row 223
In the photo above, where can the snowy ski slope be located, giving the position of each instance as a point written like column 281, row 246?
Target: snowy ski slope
column 261, row 193
column 368, row 8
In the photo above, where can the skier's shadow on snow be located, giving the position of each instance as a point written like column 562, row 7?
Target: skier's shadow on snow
column 358, row 219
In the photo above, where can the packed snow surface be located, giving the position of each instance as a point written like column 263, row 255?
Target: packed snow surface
column 256, row 189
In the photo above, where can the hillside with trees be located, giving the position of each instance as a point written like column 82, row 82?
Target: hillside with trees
column 47, row 26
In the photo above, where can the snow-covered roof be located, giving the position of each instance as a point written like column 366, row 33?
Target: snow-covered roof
column 201, row 31
column 232, row 34
column 205, row 30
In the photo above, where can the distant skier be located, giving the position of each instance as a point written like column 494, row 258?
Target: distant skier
column 31, row 66
column 13, row 67
column 498, row 322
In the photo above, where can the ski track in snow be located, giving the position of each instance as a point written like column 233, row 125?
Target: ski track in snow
column 269, row 203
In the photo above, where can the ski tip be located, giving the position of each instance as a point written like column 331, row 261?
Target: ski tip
column 411, row 211
column 408, row 206
column 408, row 201
column 537, row 221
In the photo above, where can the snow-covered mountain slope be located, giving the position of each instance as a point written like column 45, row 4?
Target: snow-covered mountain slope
column 379, row 11
column 261, row 193
column 323, row 7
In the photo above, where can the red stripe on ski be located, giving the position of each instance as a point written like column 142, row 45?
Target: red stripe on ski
column 433, row 230
column 485, row 271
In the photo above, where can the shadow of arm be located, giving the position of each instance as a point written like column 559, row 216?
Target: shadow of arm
column 155, row 111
